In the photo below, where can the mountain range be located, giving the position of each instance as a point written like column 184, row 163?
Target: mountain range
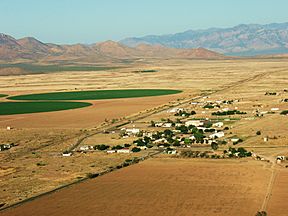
column 30, row 48
column 241, row 40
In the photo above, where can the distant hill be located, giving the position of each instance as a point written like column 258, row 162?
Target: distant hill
column 241, row 40
column 30, row 48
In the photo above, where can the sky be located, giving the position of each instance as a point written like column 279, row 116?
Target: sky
column 90, row 21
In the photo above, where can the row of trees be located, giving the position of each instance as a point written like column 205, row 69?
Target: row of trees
column 229, row 112
column 240, row 152
column 185, row 113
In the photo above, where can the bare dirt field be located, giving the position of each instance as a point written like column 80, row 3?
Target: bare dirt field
column 161, row 187
column 278, row 201
column 85, row 117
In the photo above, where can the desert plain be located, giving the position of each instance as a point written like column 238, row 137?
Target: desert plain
column 162, row 184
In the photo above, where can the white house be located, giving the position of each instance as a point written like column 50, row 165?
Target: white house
column 161, row 140
column 172, row 152
column 67, row 154
column 234, row 140
column 133, row 131
column 111, row 151
column 282, row 158
column 167, row 125
column 195, row 123
column 84, row 148
column 217, row 135
column 125, row 151
column 160, row 124
column 175, row 110
column 218, row 124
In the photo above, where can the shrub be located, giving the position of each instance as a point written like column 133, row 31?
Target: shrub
column 208, row 106
column 92, row 175
column 193, row 112
column 135, row 149
column 41, row 164
column 214, row 146
column 117, row 147
column 101, row 147
column 284, row 112
column 262, row 213
column 258, row 133
column 230, row 112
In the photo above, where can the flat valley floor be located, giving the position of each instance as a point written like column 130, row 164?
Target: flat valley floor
column 162, row 186
column 159, row 186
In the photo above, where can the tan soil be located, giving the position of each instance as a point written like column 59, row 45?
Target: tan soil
column 161, row 187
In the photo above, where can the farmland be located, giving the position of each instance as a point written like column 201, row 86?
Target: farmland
column 97, row 95
column 13, row 108
column 3, row 95
column 168, row 186
column 36, row 165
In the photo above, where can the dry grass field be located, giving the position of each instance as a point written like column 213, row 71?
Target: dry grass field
column 42, row 137
column 278, row 200
column 162, row 187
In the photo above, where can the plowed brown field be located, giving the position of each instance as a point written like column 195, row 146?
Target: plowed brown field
column 161, row 187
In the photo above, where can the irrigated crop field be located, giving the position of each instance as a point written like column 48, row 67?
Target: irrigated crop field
column 161, row 187
column 97, row 95
column 12, row 108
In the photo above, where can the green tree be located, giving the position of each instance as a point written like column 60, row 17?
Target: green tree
column 214, row 146
column 183, row 129
column 117, row 147
column 168, row 133
column 135, row 149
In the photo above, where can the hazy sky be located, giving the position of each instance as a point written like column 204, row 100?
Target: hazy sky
column 89, row 21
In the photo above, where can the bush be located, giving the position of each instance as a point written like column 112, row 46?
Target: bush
column 284, row 112
column 135, row 149
column 208, row 106
column 262, row 213
column 117, row 147
column 230, row 112
column 92, row 175
column 214, row 146
column 101, row 147
column 258, row 133
column 41, row 164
